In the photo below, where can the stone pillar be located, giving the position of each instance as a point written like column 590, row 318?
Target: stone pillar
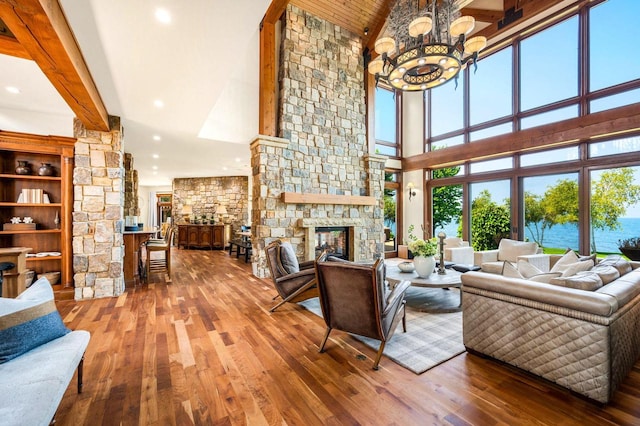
column 374, row 169
column 270, row 218
column 131, row 207
column 98, row 202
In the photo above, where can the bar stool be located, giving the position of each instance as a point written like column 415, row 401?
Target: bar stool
column 4, row 266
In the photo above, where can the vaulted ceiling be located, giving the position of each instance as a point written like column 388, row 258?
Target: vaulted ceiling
column 96, row 57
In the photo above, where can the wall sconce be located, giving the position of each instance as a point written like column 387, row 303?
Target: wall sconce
column 412, row 191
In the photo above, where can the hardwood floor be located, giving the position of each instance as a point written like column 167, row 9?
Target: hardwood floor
column 204, row 349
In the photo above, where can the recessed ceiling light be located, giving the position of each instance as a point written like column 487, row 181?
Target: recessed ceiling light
column 155, row 167
column 238, row 159
column 163, row 16
column 158, row 103
column 155, row 173
column 155, row 156
column 156, row 138
column 12, row 89
column 224, row 168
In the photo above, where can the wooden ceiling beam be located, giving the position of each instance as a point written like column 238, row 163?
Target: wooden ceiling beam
column 600, row 124
column 42, row 30
column 529, row 9
column 10, row 46
column 483, row 15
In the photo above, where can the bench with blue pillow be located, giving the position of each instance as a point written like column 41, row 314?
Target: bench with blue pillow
column 38, row 356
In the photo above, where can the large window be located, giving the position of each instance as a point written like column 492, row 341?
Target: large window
column 613, row 57
column 386, row 123
column 551, row 210
column 491, row 84
column 549, row 65
column 615, row 207
column 579, row 192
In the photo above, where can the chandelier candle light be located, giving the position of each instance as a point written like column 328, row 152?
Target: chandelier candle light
column 428, row 52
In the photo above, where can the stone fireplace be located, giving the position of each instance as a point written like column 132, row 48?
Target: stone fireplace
column 334, row 239
column 319, row 172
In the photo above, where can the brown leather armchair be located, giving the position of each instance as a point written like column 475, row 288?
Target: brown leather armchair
column 355, row 298
column 293, row 281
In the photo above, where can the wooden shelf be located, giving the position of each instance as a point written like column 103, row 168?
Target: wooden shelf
column 5, row 204
column 353, row 200
column 32, row 231
column 30, row 177
column 41, row 259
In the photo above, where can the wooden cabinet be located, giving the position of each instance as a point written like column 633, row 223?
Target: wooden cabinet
column 45, row 199
column 201, row 236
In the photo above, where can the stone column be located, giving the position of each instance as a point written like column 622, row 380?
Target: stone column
column 374, row 168
column 98, row 202
column 269, row 215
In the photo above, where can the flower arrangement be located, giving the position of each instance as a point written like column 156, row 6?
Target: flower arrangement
column 420, row 247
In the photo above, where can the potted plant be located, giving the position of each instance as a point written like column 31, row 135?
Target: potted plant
column 423, row 251
column 630, row 247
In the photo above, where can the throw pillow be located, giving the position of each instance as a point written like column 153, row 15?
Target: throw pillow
column 607, row 273
column 569, row 257
column 511, row 249
column 510, row 271
column 288, row 260
column 29, row 320
column 574, row 268
column 585, row 280
column 623, row 266
column 545, row 277
column 527, row 269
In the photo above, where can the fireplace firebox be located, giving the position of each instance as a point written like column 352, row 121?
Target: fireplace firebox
column 333, row 238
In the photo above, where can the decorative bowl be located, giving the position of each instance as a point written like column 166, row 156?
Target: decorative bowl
column 53, row 277
column 406, row 267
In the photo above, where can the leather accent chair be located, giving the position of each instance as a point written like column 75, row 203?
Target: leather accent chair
column 355, row 298
column 293, row 281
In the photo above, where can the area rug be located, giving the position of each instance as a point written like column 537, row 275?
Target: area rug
column 431, row 338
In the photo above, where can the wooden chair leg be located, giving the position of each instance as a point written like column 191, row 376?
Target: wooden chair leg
column 378, row 356
column 324, row 341
column 148, row 265
column 167, row 255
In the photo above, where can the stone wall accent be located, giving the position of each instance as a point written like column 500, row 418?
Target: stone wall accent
column 206, row 194
column 98, row 201
column 131, row 207
column 323, row 147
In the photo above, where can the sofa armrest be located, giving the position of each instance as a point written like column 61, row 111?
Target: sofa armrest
column 570, row 298
column 480, row 257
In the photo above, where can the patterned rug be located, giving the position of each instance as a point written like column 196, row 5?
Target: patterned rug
column 431, row 338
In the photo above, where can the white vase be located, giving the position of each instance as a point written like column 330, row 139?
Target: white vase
column 424, row 265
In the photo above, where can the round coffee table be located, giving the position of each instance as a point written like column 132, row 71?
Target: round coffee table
column 451, row 279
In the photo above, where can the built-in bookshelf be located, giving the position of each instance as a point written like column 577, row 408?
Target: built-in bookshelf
column 46, row 201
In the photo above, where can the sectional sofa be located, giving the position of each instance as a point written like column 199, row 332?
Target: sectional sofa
column 583, row 340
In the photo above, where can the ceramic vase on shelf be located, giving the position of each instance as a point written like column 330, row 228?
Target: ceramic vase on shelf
column 45, row 170
column 23, row 168
column 424, row 265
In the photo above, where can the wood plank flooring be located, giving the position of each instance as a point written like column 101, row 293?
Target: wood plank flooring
column 204, row 350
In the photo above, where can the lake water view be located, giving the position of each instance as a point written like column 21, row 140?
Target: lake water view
column 563, row 236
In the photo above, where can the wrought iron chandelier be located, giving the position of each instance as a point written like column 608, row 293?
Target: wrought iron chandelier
column 428, row 51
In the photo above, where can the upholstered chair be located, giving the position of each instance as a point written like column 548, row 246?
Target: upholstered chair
column 492, row 261
column 355, row 298
column 458, row 251
column 294, row 281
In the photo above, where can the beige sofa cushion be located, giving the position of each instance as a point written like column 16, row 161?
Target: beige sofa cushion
column 510, row 249
column 585, row 280
column 607, row 273
column 528, row 272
